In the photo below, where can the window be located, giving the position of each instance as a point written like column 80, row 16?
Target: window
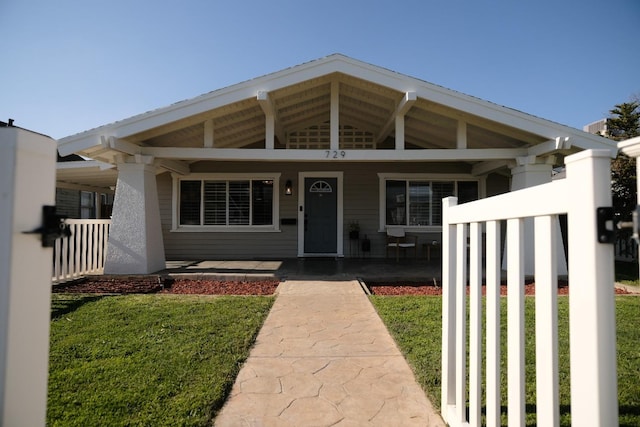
column 87, row 205
column 416, row 202
column 226, row 202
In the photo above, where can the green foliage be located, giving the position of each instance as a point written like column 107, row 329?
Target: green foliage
column 624, row 185
column 415, row 323
column 624, row 123
column 137, row 360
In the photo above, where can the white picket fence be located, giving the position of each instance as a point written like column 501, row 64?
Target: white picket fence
column 591, row 313
column 83, row 252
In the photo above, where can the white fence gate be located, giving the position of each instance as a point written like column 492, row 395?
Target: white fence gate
column 83, row 252
column 591, row 304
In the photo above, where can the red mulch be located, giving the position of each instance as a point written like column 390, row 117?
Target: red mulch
column 155, row 284
column 431, row 289
column 215, row 287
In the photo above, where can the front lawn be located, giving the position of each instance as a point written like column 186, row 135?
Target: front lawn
column 415, row 323
column 153, row 360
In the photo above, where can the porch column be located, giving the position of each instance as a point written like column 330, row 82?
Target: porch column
column 135, row 240
column 529, row 174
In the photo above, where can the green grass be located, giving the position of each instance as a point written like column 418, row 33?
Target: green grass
column 415, row 323
column 152, row 360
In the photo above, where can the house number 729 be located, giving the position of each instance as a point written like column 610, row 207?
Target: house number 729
column 334, row 154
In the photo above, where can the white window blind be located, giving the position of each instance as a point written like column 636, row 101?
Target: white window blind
column 226, row 202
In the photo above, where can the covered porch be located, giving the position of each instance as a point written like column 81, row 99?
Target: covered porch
column 283, row 165
column 366, row 269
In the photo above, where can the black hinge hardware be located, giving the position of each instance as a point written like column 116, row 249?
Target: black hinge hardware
column 606, row 216
column 52, row 228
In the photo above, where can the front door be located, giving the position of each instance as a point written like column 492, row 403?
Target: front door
column 320, row 225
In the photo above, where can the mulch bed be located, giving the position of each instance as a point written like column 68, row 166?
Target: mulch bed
column 214, row 287
column 156, row 284
column 431, row 289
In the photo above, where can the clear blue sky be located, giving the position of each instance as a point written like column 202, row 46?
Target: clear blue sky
column 70, row 65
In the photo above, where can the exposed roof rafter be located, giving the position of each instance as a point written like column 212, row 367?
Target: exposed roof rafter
column 271, row 113
column 402, row 108
column 303, row 93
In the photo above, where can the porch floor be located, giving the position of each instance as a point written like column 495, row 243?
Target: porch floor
column 367, row 269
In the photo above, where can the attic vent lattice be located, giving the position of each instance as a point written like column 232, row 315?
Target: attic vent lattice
column 318, row 138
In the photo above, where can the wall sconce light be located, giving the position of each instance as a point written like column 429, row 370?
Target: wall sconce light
column 288, row 188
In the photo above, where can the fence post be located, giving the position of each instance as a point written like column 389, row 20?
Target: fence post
column 592, row 306
column 448, row 392
column 27, row 182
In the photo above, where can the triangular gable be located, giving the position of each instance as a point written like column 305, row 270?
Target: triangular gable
column 435, row 105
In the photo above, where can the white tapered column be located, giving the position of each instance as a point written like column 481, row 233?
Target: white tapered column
column 135, row 240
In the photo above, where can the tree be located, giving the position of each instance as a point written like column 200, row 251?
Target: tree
column 624, row 123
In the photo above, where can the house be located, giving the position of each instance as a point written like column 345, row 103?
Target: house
column 84, row 188
column 279, row 166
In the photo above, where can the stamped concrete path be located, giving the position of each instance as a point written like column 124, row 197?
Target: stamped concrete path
column 324, row 358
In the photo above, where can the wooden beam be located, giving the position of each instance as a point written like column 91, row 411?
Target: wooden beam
column 400, row 132
column 208, row 134
column 273, row 127
column 81, row 187
column 176, row 166
column 548, row 147
column 251, row 154
column 461, row 135
column 334, row 120
column 487, row 167
column 120, row 145
column 402, row 108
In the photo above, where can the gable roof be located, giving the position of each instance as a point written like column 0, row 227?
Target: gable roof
column 300, row 98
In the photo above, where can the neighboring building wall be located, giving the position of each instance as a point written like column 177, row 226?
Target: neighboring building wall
column 598, row 127
column 361, row 203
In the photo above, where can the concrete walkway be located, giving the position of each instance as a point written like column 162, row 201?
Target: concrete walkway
column 324, row 358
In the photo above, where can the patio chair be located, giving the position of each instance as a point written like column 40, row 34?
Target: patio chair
column 398, row 239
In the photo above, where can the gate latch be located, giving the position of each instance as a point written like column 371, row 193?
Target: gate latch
column 606, row 216
column 53, row 227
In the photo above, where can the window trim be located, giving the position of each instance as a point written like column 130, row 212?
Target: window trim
column 175, row 208
column 382, row 193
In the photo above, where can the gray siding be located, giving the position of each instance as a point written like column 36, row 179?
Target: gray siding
column 68, row 202
column 361, row 200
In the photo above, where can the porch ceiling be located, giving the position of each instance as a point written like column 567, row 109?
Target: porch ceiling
column 86, row 176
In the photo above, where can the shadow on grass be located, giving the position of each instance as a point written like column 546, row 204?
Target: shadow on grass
column 67, row 304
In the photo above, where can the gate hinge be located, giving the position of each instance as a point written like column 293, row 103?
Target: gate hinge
column 606, row 216
column 53, row 227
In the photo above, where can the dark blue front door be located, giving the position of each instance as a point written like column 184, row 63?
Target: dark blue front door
column 321, row 215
